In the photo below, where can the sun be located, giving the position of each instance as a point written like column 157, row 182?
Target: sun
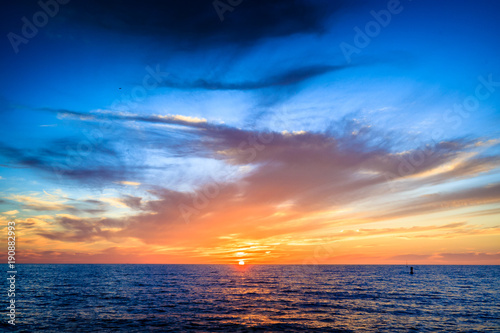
column 242, row 262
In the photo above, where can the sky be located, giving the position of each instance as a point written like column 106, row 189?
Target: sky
column 268, row 132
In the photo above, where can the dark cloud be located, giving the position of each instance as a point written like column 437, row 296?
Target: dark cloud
column 59, row 153
column 290, row 77
column 132, row 201
column 77, row 230
column 196, row 22
column 91, row 160
column 96, row 202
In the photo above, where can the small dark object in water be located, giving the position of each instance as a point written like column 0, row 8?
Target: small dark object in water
column 411, row 270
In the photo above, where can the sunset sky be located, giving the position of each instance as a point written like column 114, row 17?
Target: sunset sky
column 273, row 132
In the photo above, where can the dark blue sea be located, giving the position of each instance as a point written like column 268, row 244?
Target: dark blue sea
column 267, row 298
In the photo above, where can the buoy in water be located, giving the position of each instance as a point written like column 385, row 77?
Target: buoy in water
column 411, row 270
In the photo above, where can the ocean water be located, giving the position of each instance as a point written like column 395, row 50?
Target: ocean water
column 260, row 298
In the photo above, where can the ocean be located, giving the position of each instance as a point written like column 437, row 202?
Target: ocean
column 258, row 298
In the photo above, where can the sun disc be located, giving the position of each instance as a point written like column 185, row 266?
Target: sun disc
column 241, row 262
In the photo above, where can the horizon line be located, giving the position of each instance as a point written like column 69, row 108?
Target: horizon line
column 246, row 264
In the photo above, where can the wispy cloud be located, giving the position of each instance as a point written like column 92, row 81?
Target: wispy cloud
column 35, row 203
column 126, row 182
column 291, row 77
column 11, row 212
column 292, row 182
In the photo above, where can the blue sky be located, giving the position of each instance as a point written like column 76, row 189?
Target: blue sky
column 89, row 131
